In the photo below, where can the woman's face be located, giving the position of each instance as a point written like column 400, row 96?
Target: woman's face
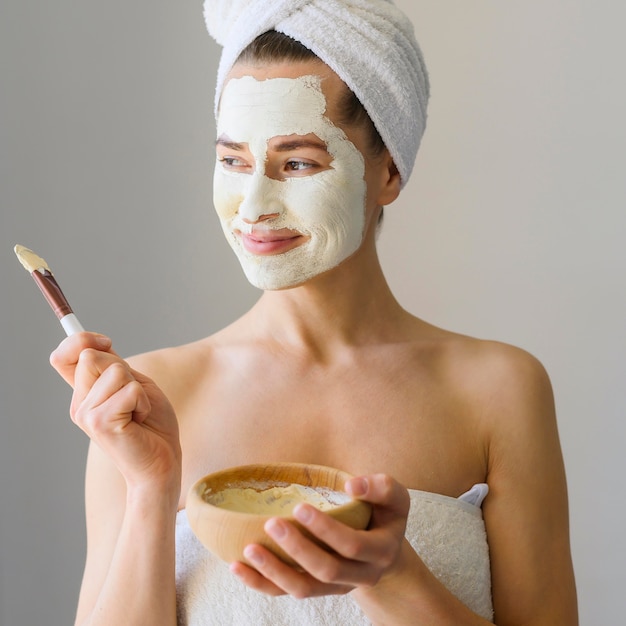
column 289, row 185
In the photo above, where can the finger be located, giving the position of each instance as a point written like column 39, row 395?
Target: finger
column 390, row 499
column 379, row 489
column 255, row 580
column 376, row 547
column 359, row 557
column 111, row 405
column 112, row 426
column 91, row 364
column 115, row 395
column 279, row 577
column 65, row 357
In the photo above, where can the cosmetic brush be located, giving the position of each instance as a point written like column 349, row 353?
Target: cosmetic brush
column 42, row 275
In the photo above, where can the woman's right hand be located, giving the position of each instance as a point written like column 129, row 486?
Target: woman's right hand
column 121, row 410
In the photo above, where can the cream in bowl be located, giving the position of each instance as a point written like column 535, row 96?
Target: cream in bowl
column 277, row 500
column 227, row 510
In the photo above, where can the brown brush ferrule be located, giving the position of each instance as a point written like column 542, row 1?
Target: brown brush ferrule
column 52, row 292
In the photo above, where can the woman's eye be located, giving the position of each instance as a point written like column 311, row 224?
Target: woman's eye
column 298, row 166
column 232, row 162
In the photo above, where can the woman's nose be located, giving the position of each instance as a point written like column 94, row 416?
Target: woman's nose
column 261, row 199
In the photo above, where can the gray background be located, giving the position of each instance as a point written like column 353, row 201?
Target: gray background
column 511, row 228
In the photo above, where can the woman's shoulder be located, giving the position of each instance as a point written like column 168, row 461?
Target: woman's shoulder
column 178, row 370
column 490, row 359
column 490, row 364
column 185, row 356
column 488, row 371
column 465, row 349
column 181, row 369
column 164, row 361
column 500, row 391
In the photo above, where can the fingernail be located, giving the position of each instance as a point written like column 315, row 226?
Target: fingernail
column 233, row 569
column 275, row 529
column 103, row 341
column 357, row 487
column 303, row 513
column 254, row 557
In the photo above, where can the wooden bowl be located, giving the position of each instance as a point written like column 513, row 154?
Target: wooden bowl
column 226, row 532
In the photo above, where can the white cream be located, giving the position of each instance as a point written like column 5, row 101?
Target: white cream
column 327, row 207
column 275, row 500
column 29, row 260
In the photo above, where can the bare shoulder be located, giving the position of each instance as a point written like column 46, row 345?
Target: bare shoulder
column 517, row 410
column 488, row 357
column 190, row 373
column 176, row 370
column 500, row 379
column 516, row 393
column 506, row 393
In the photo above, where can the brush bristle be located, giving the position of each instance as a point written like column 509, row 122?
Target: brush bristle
column 29, row 259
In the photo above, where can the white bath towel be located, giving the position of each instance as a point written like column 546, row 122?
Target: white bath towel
column 448, row 533
column 370, row 44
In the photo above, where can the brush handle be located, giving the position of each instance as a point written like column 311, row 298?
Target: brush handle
column 71, row 325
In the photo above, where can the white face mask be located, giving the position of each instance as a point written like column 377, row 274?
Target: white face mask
column 326, row 207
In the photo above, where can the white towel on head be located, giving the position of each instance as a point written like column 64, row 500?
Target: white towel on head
column 369, row 44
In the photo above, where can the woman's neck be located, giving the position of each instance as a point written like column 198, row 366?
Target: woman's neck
column 348, row 306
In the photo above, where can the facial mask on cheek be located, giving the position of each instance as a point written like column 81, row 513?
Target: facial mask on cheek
column 327, row 207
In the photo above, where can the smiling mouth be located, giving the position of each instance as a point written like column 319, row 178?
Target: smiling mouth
column 268, row 242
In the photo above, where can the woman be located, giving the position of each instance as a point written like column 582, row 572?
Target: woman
column 326, row 368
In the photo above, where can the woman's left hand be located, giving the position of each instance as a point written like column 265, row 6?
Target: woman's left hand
column 360, row 558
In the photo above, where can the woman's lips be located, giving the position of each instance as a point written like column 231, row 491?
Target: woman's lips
column 265, row 242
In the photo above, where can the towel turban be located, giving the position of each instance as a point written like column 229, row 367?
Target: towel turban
column 369, row 44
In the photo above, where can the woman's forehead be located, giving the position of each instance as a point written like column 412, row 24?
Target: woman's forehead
column 273, row 107
column 327, row 81
column 287, row 94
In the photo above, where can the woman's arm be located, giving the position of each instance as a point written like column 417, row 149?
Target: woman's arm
column 526, row 512
column 132, row 486
column 129, row 570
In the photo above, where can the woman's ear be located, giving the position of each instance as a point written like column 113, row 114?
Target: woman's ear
column 390, row 182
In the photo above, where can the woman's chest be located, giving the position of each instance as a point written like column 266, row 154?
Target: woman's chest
column 410, row 429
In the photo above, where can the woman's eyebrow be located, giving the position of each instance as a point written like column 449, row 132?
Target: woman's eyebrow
column 295, row 144
column 286, row 145
column 231, row 145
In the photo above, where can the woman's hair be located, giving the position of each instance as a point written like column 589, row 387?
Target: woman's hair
column 275, row 47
